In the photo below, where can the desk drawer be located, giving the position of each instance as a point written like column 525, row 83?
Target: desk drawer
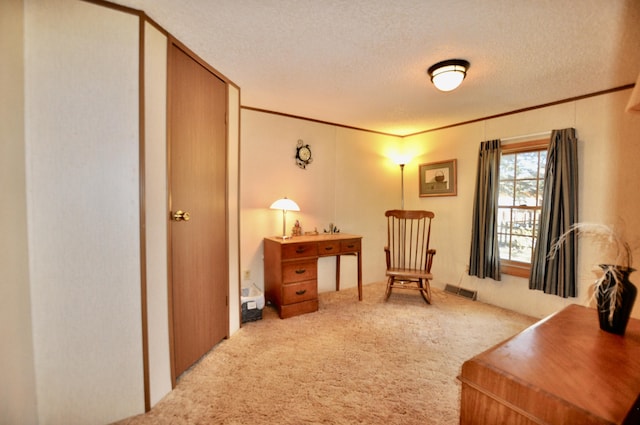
column 297, row 271
column 328, row 248
column 352, row 245
column 290, row 310
column 298, row 292
column 299, row 250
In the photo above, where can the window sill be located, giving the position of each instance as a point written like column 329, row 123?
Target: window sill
column 515, row 268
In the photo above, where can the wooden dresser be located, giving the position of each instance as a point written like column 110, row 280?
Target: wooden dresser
column 561, row 370
column 291, row 269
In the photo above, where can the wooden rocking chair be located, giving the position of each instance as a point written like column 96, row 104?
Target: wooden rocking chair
column 408, row 255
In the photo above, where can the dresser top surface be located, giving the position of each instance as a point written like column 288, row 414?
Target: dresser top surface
column 568, row 356
column 321, row 237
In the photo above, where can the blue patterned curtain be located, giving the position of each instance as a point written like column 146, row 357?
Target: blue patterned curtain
column 557, row 275
column 484, row 259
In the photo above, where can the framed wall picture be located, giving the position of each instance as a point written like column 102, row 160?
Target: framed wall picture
column 438, row 178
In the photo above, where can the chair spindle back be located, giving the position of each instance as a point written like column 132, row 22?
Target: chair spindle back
column 408, row 234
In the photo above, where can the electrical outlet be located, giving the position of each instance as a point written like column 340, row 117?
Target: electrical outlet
column 247, row 274
column 466, row 268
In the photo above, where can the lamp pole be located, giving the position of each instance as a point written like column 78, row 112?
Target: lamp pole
column 402, row 186
column 284, row 224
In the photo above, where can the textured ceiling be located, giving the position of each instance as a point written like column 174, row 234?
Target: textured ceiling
column 362, row 63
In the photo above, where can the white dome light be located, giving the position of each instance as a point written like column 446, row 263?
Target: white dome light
column 448, row 75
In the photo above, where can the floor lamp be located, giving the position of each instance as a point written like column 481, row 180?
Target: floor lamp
column 285, row 204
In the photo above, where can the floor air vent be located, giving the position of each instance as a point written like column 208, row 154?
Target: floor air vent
column 466, row 293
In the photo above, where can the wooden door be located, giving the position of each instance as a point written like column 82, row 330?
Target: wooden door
column 197, row 169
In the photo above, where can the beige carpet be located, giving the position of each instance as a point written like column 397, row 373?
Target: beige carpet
column 369, row 362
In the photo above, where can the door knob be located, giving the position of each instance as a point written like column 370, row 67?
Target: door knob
column 181, row 216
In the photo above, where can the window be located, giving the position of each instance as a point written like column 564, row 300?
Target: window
column 522, row 169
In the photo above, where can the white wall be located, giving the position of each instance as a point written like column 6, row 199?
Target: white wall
column 352, row 182
column 83, row 185
column 18, row 393
column 156, row 203
column 81, row 113
column 367, row 183
column 79, row 63
column 608, row 148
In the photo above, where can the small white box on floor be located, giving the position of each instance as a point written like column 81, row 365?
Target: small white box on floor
column 252, row 300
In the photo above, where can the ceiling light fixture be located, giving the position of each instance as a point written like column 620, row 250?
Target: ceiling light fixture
column 447, row 75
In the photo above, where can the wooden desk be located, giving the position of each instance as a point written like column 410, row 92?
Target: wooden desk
column 291, row 269
column 561, row 370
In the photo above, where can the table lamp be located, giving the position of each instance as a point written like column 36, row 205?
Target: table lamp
column 285, row 204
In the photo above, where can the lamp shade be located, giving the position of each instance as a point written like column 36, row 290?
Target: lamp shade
column 448, row 75
column 400, row 159
column 285, row 204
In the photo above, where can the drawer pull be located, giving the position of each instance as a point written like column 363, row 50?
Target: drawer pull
column 300, row 250
column 351, row 246
column 301, row 292
column 301, row 271
column 328, row 248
